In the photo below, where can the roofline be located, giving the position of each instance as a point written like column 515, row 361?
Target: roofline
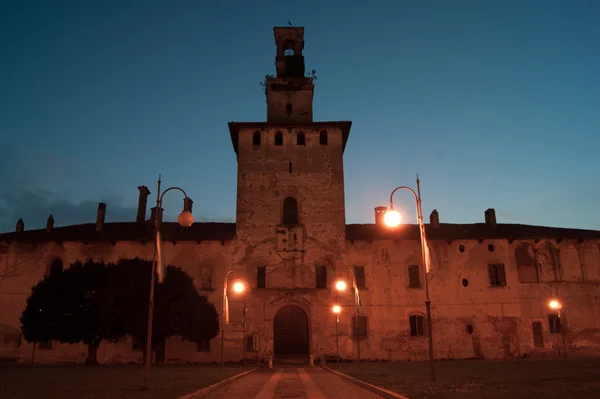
column 234, row 128
column 556, row 233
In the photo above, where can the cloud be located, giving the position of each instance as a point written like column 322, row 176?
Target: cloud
column 24, row 193
column 34, row 207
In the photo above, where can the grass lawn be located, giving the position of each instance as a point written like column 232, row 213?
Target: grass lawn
column 470, row 379
column 107, row 381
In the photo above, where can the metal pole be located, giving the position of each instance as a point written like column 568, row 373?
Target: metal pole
column 244, row 333
column 562, row 333
column 427, row 300
column 337, row 336
column 356, row 299
column 151, row 298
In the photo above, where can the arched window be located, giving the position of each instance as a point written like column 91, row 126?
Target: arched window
column 417, row 325
column 300, row 139
column 359, row 329
column 323, row 137
column 55, row 267
column 256, row 138
column 290, row 211
column 288, row 109
column 278, row 138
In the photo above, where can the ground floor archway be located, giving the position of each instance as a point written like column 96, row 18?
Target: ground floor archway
column 291, row 335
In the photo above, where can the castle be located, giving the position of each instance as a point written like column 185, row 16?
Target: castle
column 490, row 284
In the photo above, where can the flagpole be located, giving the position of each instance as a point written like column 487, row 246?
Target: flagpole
column 395, row 221
column 427, row 266
column 185, row 219
column 148, row 356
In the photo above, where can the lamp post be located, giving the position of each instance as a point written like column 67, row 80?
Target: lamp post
column 185, row 219
column 341, row 285
column 392, row 218
column 238, row 287
column 555, row 304
column 337, row 310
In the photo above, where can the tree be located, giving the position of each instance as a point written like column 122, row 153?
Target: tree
column 43, row 319
column 92, row 302
column 66, row 307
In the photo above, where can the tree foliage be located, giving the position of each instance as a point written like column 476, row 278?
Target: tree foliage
column 92, row 302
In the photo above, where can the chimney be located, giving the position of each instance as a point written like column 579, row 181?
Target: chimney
column 49, row 224
column 153, row 215
column 100, row 216
column 434, row 219
column 142, row 202
column 379, row 215
column 20, row 226
column 490, row 217
column 187, row 204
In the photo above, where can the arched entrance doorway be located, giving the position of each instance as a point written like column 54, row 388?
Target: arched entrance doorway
column 290, row 333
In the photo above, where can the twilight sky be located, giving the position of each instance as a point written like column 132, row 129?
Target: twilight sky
column 494, row 104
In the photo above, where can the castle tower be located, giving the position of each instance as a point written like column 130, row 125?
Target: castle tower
column 289, row 93
column 290, row 169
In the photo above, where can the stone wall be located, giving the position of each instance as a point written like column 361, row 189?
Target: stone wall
column 476, row 320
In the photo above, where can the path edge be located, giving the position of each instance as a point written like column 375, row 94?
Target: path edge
column 369, row 387
column 203, row 391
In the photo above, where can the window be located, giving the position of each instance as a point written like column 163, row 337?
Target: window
column 256, row 138
column 497, row 276
column 555, row 323
column 323, row 137
column 250, row 343
column 206, row 278
column 538, row 335
column 362, row 326
column 414, row 280
column 261, row 277
column 288, row 109
column 203, row 346
column 290, row 168
column 300, row 139
column 321, row 276
column 290, row 211
column 45, row 345
column 417, row 325
column 359, row 275
column 55, row 267
column 278, row 138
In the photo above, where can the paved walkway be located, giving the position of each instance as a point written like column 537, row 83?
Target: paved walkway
column 291, row 383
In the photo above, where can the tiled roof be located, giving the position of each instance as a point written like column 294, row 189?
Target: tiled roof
column 234, row 128
column 132, row 231
column 127, row 231
column 450, row 231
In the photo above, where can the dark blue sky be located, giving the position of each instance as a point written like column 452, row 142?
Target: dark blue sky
column 494, row 104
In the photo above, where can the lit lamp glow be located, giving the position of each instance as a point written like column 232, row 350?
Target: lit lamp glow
column 340, row 285
column 185, row 219
column 337, row 309
column 392, row 218
column 554, row 304
column 238, row 287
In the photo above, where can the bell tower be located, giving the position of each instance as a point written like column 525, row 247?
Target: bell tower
column 289, row 92
column 290, row 184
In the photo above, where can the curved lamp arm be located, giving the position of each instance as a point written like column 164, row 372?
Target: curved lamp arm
column 172, row 188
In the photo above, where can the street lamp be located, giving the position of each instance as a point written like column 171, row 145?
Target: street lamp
column 555, row 304
column 341, row 285
column 185, row 219
column 337, row 310
column 238, row 288
column 392, row 219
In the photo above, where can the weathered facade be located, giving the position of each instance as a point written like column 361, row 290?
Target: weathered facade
column 489, row 283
